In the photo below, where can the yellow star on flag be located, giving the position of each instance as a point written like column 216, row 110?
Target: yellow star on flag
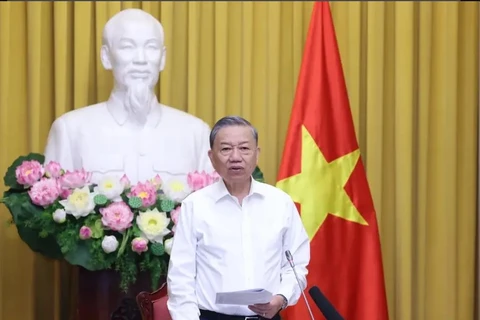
column 319, row 187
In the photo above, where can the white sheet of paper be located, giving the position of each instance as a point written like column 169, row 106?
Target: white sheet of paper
column 244, row 298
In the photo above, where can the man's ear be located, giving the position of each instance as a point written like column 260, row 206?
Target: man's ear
column 212, row 159
column 258, row 152
column 105, row 58
column 163, row 59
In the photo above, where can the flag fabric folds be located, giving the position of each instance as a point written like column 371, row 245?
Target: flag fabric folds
column 321, row 169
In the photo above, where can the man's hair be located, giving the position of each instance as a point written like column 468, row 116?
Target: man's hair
column 126, row 15
column 231, row 121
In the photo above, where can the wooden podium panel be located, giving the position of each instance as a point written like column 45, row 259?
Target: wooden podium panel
column 100, row 298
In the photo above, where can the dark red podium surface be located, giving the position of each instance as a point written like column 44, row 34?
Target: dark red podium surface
column 100, row 297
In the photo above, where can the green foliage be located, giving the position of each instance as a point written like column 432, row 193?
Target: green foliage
column 67, row 238
column 36, row 227
column 157, row 249
column 258, row 175
column 100, row 260
column 155, row 266
column 80, row 255
column 25, row 216
column 126, row 265
column 136, row 231
column 96, row 226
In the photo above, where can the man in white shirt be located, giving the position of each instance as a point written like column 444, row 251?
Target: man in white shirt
column 233, row 234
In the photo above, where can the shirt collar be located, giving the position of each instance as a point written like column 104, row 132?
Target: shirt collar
column 120, row 115
column 221, row 189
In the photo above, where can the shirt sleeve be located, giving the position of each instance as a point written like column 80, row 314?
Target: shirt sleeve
column 296, row 240
column 182, row 301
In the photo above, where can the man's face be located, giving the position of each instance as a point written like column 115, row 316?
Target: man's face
column 234, row 154
column 136, row 53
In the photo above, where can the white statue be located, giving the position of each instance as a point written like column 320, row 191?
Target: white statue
column 132, row 132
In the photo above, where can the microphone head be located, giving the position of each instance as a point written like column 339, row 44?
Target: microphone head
column 289, row 256
column 327, row 309
column 315, row 292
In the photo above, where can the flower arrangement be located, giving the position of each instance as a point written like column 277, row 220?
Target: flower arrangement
column 108, row 225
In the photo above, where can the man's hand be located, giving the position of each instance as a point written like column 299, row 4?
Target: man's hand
column 268, row 310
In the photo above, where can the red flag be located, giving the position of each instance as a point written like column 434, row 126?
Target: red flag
column 322, row 171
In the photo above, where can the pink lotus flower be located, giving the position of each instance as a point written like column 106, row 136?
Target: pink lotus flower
column 53, row 170
column 75, row 179
column 213, row 177
column 117, row 216
column 44, row 192
column 85, row 233
column 145, row 191
column 29, row 172
column 157, row 182
column 174, row 216
column 125, row 182
column 65, row 193
column 139, row 245
column 198, row 180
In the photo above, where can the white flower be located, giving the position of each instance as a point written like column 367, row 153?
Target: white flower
column 111, row 187
column 176, row 189
column 109, row 244
column 168, row 245
column 80, row 203
column 153, row 225
column 59, row 216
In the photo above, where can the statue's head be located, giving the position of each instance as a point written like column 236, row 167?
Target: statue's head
column 133, row 48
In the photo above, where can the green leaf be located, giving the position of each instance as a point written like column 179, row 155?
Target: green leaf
column 45, row 246
column 10, row 178
column 80, row 256
column 90, row 220
column 258, row 174
column 136, row 231
column 97, row 229
column 22, row 211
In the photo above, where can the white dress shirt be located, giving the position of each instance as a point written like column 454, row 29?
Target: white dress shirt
column 221, row 246
column 102, row 140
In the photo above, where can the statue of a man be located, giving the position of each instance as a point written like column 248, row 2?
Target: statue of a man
column 131, row 133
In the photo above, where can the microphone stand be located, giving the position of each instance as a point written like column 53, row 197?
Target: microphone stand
column 292, row 264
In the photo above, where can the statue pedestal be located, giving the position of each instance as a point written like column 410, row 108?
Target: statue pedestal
column 100, row 298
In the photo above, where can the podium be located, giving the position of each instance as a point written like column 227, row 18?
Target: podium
column 100, row 297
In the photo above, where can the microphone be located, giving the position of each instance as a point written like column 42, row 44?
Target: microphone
column 327, row 309
column 289, row 256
